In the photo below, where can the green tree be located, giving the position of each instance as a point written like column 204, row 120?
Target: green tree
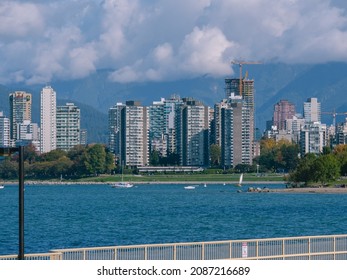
column 215, row 154
column 109, row 162
column 53, row 155
column 30, row 154
column 78, row 156
column 95, row 159
column 340, row 151
column 8, row 169
column 280, row 155
column 325, row 168
column 154, row 158
column 303, row 171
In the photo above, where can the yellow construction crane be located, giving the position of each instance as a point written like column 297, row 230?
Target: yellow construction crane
column 240, row 63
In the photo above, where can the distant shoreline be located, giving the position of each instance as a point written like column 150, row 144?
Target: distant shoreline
column 150, row 183
column 322, row 190
column 332, row 190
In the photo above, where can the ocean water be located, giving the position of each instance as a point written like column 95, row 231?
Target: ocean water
column 73, row 216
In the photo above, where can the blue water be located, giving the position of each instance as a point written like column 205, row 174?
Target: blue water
column 73, row 216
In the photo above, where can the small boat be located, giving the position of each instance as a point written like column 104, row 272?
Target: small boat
column 122, row 185
column 240, row 180
column 205, row 185
column 2, row 187
column 190, row 187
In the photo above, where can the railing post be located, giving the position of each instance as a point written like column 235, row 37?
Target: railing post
column 21, row 203
column 175, row 252
column 230, row 250
column 203, row 251
column 146, row 256
column 309, row 248
column 115, row 253
column 283, row 249
column 334, row 247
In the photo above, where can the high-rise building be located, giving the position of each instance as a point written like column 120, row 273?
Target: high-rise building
column 4, row 131
column 312, row 138
column 294, row 125
column 232, row 89
column 341, row 133
column 84, row 136
column 68, row 120
column 157, row 127
column 216, row 129
column 236, row 140
column 114, row 128
column 312, row 110
column 48, row 130
column 162, row 129
column 20, row 111
column 283, row 111
column 192, row 139
column 134, row 150
column 28, row 133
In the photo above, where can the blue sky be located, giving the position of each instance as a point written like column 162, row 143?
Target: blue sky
column 158, row 40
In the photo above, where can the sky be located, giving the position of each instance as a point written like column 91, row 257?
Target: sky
column 161, row 40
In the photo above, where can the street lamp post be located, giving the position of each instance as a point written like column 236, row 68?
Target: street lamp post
column 8, row 152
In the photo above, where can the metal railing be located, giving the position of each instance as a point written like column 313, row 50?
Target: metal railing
column 38, row 256
column 332, row 247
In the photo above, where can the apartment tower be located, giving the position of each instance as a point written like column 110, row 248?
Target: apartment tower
column 68, row 119
column 20, row 111
column 312, row 110
column 283, row 111
column 48, row 130
column 192, row 139
column 134, row 150
column 4, row 131
column 236, row 140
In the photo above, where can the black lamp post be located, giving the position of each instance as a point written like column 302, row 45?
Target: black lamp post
column 8, row 152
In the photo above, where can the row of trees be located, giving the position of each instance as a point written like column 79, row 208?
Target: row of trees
column 323, row 168
column 328, row 166
column 92, row 160
column 80, row 161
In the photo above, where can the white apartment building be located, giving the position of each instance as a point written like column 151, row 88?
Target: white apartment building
column 4, row 131
column 192, row 141
column 312, row 110
column 48, row 133
column 134, row 135
column 28, row 132
column 68, row 119
column 312, row 138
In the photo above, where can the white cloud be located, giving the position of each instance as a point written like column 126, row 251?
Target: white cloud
column 163, row 39
column 204, row 51
column 19, row 20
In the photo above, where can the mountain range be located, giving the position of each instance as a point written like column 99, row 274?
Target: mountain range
column 95, row 94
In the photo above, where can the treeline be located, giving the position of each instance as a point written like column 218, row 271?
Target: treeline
column 328, row 166
column 81, row 161
column 93, row 160
column 323, row 168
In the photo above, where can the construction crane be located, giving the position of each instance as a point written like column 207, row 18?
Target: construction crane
column 334, row 114
column 240, row 63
